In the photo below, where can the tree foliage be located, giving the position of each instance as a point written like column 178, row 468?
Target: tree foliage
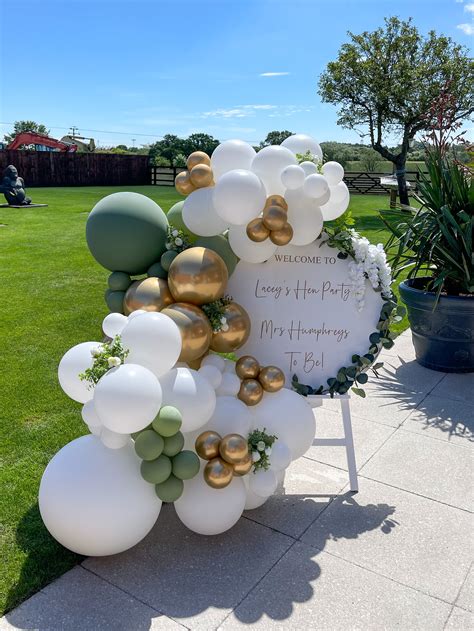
column 172, row 150
column 275, row 138
column 21, row 126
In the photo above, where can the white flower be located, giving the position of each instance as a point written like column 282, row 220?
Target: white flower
column 261, row 445
column 225, row 327
column 178, row 241
column 175, row 233
column 255, row 456
column 95, row 352
column 114, row 362
column 223, row 320
column 168, row 245
column 268, row 451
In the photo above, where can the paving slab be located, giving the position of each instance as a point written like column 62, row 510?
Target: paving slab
column 458, row 387
column 194, row 579
column 423, row 465
column 80, row 600
column 466, row 596
column 314, row 590
column 460, row 620
column 415, row 541
column 398, row 373
column 403, row 346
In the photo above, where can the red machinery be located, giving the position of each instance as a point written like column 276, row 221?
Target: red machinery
column 33, row 138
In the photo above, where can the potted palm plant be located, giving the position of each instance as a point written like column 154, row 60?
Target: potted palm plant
column 435, row 245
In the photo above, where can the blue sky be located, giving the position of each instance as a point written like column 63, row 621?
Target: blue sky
column 123, row 69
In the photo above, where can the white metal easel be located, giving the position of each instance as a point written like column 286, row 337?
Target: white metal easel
column 316, row 401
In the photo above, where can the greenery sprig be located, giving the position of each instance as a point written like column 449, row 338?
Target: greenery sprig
column 215, row 313
column 106, row 356
column 309, row 157
column 260, row 448
column 177, row 239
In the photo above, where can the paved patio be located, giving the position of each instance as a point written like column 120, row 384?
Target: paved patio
column 397, row 555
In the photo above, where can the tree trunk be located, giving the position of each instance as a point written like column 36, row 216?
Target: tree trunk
column 402, row 183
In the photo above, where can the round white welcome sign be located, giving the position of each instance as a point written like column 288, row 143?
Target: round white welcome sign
column 304, row 316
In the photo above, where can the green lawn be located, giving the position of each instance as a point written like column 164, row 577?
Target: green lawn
column 52, row 298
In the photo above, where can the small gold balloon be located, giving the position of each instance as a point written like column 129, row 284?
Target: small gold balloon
column 201, row 175
column 207, row 445
column 218, row 473
column 195, row 364
column 195, row 329
column 257, row 231
column 149, row 294
column 251, row 392
column 272, row 378
column 247, row 367
column 233, row 448
column 197, row 157
column 183, row 183
column 283, row 236
column 276, row 200
column 244, row 466
column 237, row 333
column 197, row 275
column 274, row 217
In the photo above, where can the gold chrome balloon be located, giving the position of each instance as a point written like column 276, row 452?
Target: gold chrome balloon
column 201, row 175
column 149, row 294
column 276, row 200
column 283, row 236
column 197, row 157
column 247, row 367
column 218, row 473
column 233, row 448
column 197, row 275
column 251, row 392
column 271, row 378
column 195, row 329
column 207, row 445
column 244, row 466
column 257, row 231
column 183, row 183
column 274, row 217
column 237, row 333
column 195, row 364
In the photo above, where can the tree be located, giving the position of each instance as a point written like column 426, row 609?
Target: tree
column 275, row 138
column 20, row 126
column 369, row 159
column 170, row 147
column 199, row 142
column 385, row 81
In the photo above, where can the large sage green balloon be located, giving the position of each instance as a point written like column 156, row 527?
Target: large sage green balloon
column 220, row 244
column 175, row 219
column 156, row 471
column 149, row 445
column 126, row 232
column 170, row 490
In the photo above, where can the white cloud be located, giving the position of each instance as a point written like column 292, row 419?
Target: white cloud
column 459, row 1
column 469, row 8
column 240, row 111
column 273, row 74
column 467, row 29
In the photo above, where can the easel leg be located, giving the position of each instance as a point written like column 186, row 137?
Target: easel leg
column 349, row 440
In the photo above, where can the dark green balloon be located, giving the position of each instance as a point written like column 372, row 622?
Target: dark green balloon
column 168, row 422
column 119, row 281
column 173, row 444
column 170, row 490
column 126, row 232
column 114, row 300
column 149, row 445
column 220, row 244
column 156, row 471
column 185, row 465
column 175, row 219
column 157, row 270
column 167, row 258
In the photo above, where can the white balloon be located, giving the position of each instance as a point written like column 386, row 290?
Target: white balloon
column 249, row 250
column 192, row 394
column 127, row 398
column 209, row 511
column 230, row 155
column 94, row 501
column 333, row 172
column 113, row 440
column 113, row 324
column 280, row 457
column 338, row 202
column 154, row 341
column 269, row 164
column 305, row 217
column 293, row 176
column 239, row 196
column 231, row 416
column 308, row 167
column 301, row 143
column 76, row 361
column 212, row 374
column 229, row 366
column 214, row 360
column 199, row 214
column 190, row 439
column 230, row 385
column 136, row 313
column 315, row 186
column 90, row 417
column 263, row 482
column 289, row 416
column 253, row 500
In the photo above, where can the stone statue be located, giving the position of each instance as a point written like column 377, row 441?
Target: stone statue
column 12, row 186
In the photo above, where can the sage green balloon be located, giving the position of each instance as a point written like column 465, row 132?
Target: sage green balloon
column 168, row 421
column 175, row 219
column 156, row 471
column 220, row 244
column 173, row 444
column 185, row 465
column 119, row 281
column 126, row 232
column 167, row 258
column 114, row 300
column 170, row 490
column 157, row 271
column 149, row 445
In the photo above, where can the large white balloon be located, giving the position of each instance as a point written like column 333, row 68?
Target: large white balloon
column 338, row 202
column 230, row 384
column 91, row 418
column 333, row 172
column 293, row 176
column 263, row 482
column 214, row 360
column 280, row 457
column 192, row 394
column 253, row 500
column 239, row 196
column 230, row 155
column 212, row 374
column 127, row 398
column 209, row 511
column 305, row 217
column 154, row 341
column 231, row 416
column 199, row 214
column 94, row 501
column 269, row 164
column 114, row 324
column 301, row 143
column 289, row 416
column 113, row 440
column 249, row 250
column 76, row 361
column 315, row 186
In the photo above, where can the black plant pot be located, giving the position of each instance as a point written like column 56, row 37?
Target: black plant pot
column 443, row 337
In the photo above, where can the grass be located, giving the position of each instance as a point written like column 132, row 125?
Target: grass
column 52, row 299
column 384, row 166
